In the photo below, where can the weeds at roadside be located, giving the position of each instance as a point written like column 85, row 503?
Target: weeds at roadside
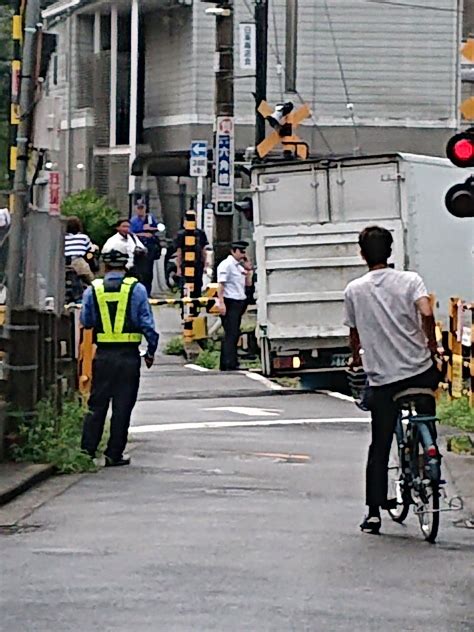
column 456, row 413
column 52, row 439
column 175, row 346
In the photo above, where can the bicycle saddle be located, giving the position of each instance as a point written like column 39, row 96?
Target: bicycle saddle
column 417, row 397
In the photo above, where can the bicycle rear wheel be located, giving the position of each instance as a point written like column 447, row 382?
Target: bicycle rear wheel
column 396, row 484
column 427, row 497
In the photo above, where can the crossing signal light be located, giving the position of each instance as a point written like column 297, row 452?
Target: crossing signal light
column 460, row 149
column 460, row 199
column 245, row 206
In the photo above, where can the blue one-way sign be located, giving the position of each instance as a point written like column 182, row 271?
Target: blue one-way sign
column 198, row 158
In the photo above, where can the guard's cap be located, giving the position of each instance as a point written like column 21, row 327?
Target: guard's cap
column 239, row 245
column 140, row 202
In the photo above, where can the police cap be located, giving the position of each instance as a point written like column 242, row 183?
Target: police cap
column 240, row 245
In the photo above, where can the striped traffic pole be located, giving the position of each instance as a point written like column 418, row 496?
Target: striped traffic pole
column 17, row 37
column 189, row 311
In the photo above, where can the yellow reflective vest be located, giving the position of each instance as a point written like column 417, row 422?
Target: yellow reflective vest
column 120, row 330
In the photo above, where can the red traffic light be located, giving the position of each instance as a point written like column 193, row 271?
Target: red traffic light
column 459, row 199
column 460, row 149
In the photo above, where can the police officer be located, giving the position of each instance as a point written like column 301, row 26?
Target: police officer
column 117, row 308
column 234, row 274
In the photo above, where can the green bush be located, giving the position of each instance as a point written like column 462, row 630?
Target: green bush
column 175, row 346
column 49, row 439
column 95, row 213
column 208, row 359
column 457, row 413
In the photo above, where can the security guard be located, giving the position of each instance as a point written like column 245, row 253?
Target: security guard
column 234, row 274
column 118, row 310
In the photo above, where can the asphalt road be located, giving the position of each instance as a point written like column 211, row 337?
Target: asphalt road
column 224, row 523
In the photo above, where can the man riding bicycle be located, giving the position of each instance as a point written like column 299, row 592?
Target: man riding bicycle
column 393, row 336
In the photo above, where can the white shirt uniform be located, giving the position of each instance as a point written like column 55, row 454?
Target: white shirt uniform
column 133, row 243
column 233, row 275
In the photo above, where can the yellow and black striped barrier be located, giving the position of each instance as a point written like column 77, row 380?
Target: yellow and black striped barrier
column 460, row 373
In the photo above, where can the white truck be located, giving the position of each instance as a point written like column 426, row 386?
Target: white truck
column 308, row 215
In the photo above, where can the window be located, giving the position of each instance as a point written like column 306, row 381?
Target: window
column 291, row 45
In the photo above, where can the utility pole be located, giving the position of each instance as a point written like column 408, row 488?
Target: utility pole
column 261, row 28
column 21, row 192
column 224, row 106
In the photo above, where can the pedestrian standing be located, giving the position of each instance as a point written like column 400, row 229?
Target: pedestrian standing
column 145, row 226
column 122, row 238
column 117, row 309
column 234, row 274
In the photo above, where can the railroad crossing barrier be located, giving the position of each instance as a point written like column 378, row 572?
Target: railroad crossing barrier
column 460, row 373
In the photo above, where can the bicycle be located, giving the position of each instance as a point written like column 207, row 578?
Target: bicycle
column 414, row 471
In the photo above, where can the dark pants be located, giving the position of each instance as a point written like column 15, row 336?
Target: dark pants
column 231, row 323
column 145, row 265
column 116, row 377
column 384, row 418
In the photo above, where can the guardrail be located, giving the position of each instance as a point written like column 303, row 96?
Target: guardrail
column 460, row 373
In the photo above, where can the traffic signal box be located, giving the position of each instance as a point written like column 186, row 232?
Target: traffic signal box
column 459, row 199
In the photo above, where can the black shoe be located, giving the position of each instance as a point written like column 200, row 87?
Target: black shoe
column 124, row 460
column 371, row 524
column 390, row 504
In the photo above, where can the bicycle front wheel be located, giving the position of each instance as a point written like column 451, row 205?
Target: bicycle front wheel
column 396, row 484
column 427, row 498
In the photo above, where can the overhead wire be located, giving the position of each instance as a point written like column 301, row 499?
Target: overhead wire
column 349, row 104
column 277, row 49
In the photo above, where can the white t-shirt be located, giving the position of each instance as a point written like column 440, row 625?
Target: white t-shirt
column 381, row 305
column 132, row 243
column 4, row 217
column 233, row 275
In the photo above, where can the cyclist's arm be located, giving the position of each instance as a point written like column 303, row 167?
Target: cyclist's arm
column 423, row 305
column 354, row 342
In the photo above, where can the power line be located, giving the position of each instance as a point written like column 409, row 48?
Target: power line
column 349, row 104
column 412, row 6
column 278, row 58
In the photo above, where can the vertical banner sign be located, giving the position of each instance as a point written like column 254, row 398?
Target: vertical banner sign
column 54, row 193
column 248, row 44
column 224, row 191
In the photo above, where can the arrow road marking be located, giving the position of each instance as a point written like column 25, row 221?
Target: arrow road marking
column 203, row 425
column 248, row 411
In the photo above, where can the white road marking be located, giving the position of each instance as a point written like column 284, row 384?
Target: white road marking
column 345, row 398
column 263, row 380
column 203, row 425
column 248, row 411
column 196, row 367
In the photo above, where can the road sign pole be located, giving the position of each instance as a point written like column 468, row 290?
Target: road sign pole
column 199, row 202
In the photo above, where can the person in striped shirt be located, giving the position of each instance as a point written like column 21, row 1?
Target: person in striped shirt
column 76, row 246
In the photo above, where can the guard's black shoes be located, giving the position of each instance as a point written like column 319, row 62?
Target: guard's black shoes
column 125, row 460
column 371, row 524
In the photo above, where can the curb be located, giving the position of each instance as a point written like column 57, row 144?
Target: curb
column 17, row 478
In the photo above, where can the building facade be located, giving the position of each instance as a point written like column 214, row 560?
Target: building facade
column 133, row 77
